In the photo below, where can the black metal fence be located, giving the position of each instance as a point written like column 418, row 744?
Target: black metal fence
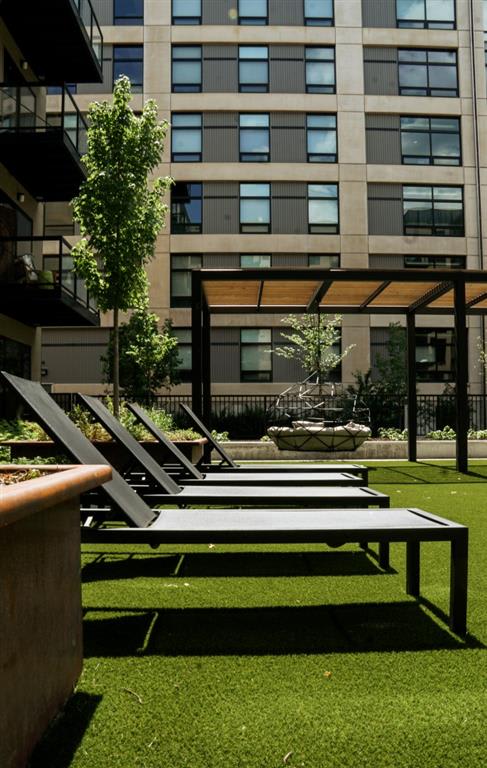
column 244, row 416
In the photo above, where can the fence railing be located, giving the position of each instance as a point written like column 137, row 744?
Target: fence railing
column 244, row 416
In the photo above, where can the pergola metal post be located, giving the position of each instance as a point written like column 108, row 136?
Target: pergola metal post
column 206, row 373
column 196, row 342
column 461, row 394
column 412, row 398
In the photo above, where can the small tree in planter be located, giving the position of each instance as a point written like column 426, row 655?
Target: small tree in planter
column 120, row 214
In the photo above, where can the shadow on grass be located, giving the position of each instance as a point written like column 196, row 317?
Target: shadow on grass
column 349, row 628
column 231, row 564
column 61, row 741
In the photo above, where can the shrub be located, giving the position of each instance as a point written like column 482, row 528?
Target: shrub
column 391, row 433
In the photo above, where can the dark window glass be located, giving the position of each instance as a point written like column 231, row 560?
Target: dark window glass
column 181, row 266
column 15, row 359
column 252, row 12
column 321, row 137
column 428, row 73
column 186, row 68
column 323, row 208
column 183, row 336
column 186, row 138
column 255, row 354
column 186, row 208
column 434, row 211
column 129, row 60
column 430, row 140
column 254, row 138
column 255, row 208
column 318, row 13
column 186, row 11
column 435, row 354
column 434, row 262
column 255, row 260
column 253, row 69
column 426, row 14
column 128, row 12
column 320, row 70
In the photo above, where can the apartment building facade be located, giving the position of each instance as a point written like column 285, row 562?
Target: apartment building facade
column 303, row 133
column 40, row 160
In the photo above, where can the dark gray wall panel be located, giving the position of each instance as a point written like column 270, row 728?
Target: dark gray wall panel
column 385, row 212
column 103, row 11
column 288, row 138
column 289, row 208
column 383, row 139
column 286, row 12
column 220, row 69
column 386, row 261
column 106, row 86
column 380, row 71
column 289, row 260
column 287, row 371
column 84, row 349
column 286, row 69
column 218, row 12
column 220, row 208
column 378, row 13
column 221, row 261
column 220, row 137
column 225, row 354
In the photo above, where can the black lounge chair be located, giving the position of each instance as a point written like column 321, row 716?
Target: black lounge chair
column 188, row 474
column 78, row 447
column 206, row 493
column 228, row 464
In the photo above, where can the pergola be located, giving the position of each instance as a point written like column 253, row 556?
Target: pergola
column 344, row 291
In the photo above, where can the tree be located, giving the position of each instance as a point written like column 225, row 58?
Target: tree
column 392, row 367
column 149, row 357
column 119, row 212
column 314, row 342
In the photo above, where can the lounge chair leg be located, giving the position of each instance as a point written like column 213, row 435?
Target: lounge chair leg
column 412, row 568
column 384, row 555
column 458, row 583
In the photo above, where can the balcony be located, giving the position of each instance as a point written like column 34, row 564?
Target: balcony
column 61, row 40
column 42, row 152
column 38, row 285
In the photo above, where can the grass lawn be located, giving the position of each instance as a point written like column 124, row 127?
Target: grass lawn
column 215, row 657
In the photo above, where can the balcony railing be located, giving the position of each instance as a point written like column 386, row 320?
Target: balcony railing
column 20, row 112
column 90, row 23
column 43, row 264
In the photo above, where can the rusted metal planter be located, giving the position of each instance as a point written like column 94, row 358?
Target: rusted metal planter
column 193, row 449
column 40, row 601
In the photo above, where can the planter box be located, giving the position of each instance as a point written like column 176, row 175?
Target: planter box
column 41, row 650
column 29, row 449
column 255, row 450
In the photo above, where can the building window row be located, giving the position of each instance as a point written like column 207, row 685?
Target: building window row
column 254, row 12
column 313, row 136
column 191, row 67
column 435, row 211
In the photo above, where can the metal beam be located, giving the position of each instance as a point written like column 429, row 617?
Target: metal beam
column 374, row 295
column 429, row 296
column 461, row 375
column 206, row 374
column 412, row 397
column 477, row 300
column 318, row 295
column 259, row 297
column 196, row 342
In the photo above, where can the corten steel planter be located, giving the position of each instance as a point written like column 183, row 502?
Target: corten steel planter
column 41, row 650
column 192, row 449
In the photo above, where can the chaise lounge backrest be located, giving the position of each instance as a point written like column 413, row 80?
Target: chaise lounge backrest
column 62, row 430
column 227, row 459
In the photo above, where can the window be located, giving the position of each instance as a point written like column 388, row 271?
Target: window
column 255, row 354
column 255, row 260
column 318, row 13
column 323, row 260
column 129, row 60
column 433, row 211
column 253, row 69
column 254, row 138
column 252, row 12
column 128, row 12
column 321, row 138
column 435, row 354
column 183, row 336
column 434, row 262
column 181, row 266
column 186, row 208
column 320, row 70
column 323, row 208
column 430, row 140
column 186, row 68
column 186, row 11
column 186, row 138
column 255, row 207
column 428, row 73
column 426, row 14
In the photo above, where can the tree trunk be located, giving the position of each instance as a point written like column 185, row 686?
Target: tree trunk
column 116, row 365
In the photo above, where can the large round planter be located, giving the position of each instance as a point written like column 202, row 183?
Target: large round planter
column 41, row 650
column 192, row 449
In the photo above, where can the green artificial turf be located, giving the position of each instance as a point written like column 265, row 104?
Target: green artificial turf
column 235, row 657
